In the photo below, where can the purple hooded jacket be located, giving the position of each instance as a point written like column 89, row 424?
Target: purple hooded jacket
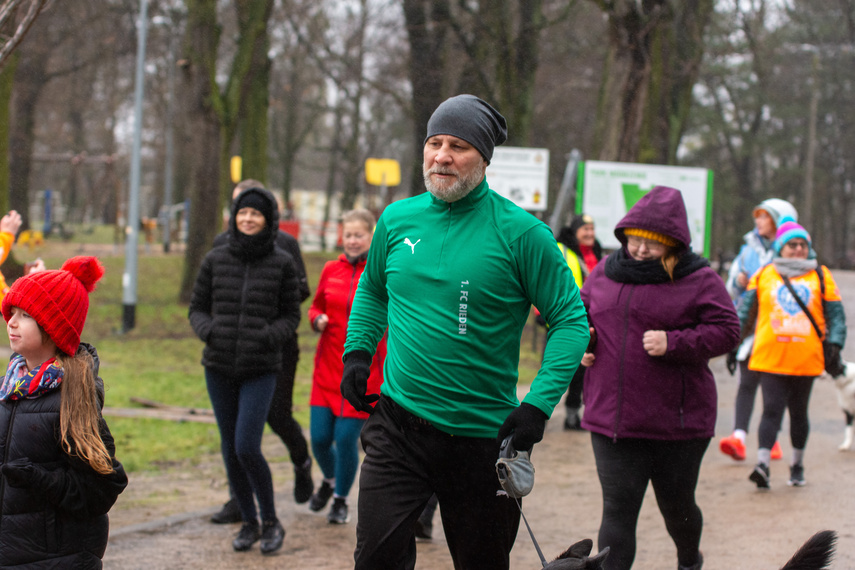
column 630, row 394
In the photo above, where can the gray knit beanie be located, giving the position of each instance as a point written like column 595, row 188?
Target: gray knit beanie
column 469, row 118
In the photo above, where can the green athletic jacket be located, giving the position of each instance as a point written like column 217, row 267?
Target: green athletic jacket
column 454, row 282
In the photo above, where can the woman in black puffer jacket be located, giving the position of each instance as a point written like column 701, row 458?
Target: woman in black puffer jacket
column 245, row 306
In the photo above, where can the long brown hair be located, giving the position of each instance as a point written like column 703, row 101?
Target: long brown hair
column 79, row 412
column 670, row 260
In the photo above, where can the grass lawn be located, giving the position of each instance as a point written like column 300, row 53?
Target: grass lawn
column 160, row 358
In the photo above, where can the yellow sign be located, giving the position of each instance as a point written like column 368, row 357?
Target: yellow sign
column 236, row 166
column 380, row 171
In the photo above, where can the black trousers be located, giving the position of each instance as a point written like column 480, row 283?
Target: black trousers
column 625, row 467
column 574, row 392
column 408, row 460
column 280, row 418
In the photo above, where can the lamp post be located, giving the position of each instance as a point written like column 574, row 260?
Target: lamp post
column 129, row 277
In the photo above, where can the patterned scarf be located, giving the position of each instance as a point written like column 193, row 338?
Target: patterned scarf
column 23, row 383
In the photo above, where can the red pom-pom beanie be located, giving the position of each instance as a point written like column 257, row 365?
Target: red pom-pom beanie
column 57, row 300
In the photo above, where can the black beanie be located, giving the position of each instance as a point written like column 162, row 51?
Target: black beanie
column 255, row 198
column 469, row 118
column 579, row 221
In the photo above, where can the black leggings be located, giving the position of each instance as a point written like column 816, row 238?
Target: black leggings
column 625, row 467
column 280, row 417
column 782, row 393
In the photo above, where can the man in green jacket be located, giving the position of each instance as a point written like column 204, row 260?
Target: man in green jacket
column 453, row 273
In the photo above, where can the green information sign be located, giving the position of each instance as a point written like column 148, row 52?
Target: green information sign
column 607, row 190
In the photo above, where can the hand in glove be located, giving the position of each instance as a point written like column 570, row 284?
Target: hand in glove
column 731, row 362
column 527, row 424
column 833, row 363
column 19, row 473
column 354, row 381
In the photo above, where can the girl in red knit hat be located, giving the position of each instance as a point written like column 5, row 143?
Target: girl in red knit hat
column 60, row 475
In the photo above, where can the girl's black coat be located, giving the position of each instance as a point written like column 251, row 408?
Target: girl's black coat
column 61, row 520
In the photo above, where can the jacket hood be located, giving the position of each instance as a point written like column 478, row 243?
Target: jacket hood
column 778, row 209
column 271, row 213
column 262, row 242
column 661, row 210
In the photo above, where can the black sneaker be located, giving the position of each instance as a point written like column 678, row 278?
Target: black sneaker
column 797, row 476
column 320, row 499
column 760, row 476
column 230, row 513
column 303, row 485
column 696, row 566
column 248, row 535
column 338, row 512
column 272, row 535
column 573, row 424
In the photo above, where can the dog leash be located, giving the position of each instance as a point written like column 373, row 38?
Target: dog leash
column 534, row 540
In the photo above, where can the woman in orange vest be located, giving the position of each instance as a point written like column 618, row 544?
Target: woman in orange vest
column 796, row 305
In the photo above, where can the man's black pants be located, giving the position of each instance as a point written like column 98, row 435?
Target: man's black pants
column 406, row 461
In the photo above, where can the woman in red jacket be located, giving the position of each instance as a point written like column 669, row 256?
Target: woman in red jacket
column 335, row 424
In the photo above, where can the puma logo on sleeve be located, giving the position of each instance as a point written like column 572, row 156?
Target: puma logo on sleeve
column 411, row 244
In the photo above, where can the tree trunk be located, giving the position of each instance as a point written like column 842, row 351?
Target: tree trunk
column 214, row 117
column 201, row 41
column 253, row 147
column 427, row 24
column 655, row 50
column 7, row 75
column 30, row 79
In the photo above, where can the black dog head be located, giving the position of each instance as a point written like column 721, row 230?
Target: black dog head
column 576, row 558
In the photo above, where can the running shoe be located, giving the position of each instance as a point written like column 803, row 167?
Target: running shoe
column 272, row 535
column 776, row 451
column 797, row 476
column 230, row 513
column 732, row 446
column 338, row 512
column 760, row 476
column 321, row 497
column 249, row 534
column 303, row 486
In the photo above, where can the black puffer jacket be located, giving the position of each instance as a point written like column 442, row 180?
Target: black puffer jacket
column 60, row 520
column 246, row 301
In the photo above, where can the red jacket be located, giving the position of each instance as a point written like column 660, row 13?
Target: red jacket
column 334, row 297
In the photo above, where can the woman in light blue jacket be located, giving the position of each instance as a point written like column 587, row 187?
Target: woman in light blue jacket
column 757, row 252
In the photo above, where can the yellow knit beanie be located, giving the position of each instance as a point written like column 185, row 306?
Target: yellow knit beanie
column 647, row 234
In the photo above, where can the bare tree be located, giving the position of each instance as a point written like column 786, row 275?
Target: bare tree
column 655, row 51
column 20, row 15
column 214, row 111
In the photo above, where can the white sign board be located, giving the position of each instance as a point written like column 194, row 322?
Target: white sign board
column 521, row 175
column 609, row 189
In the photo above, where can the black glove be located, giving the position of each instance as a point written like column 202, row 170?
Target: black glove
column 731, row 362
column 833, row 363
column 527, row 424
column 354, row 381
column 19, row 472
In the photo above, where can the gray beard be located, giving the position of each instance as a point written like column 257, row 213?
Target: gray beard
column 458, row 190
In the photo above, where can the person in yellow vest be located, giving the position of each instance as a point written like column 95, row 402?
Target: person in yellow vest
column 9, row 226
column 796, row 305
column 582, row 251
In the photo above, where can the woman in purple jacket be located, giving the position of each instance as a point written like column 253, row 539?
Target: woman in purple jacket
column 659, row 313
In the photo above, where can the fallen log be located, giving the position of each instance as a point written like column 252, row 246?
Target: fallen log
column 178, row 409
column 159, row 414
